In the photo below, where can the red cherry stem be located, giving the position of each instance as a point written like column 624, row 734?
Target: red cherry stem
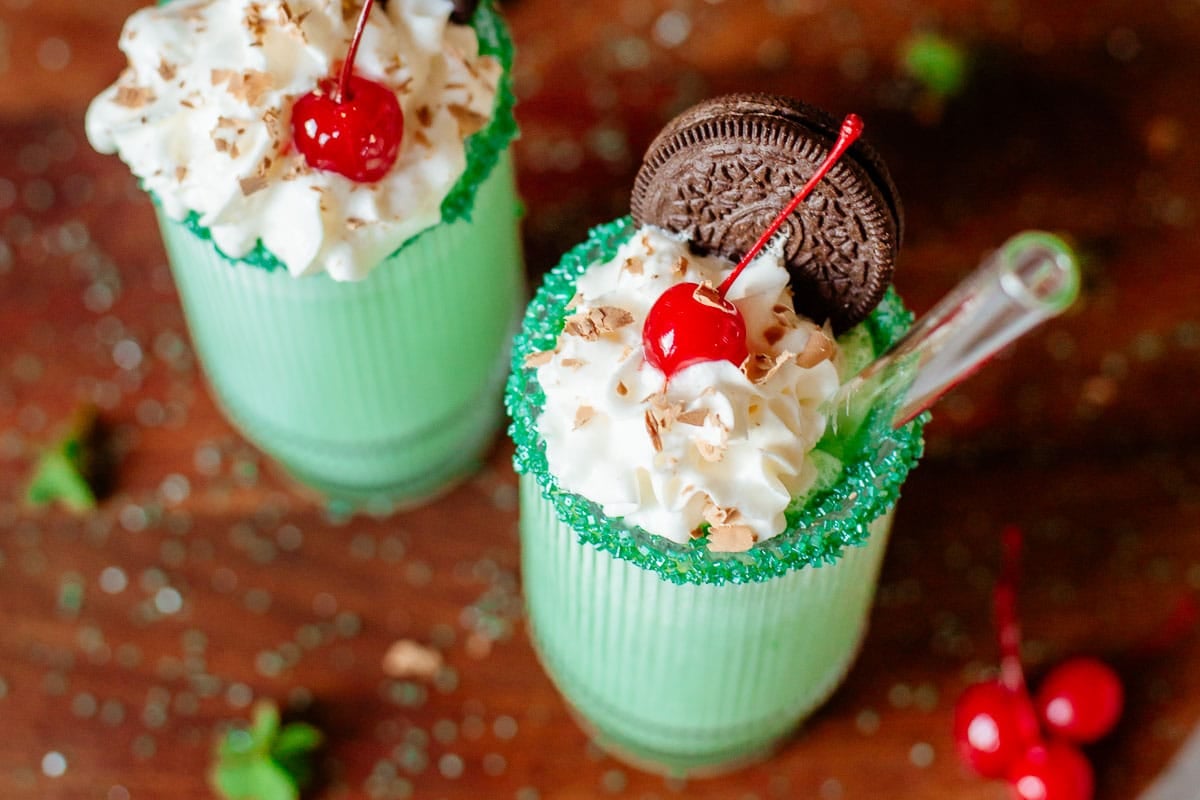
column 852, row 128
column 1005, row 600
column 343, row 86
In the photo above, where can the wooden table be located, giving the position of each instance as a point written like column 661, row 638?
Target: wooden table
column 205, row 582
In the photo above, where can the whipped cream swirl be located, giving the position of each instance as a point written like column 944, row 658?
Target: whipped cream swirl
column 720, row 444
column 202, row 115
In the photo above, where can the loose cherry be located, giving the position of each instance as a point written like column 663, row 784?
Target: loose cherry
column 352, row 126
column 1080, row 700
column 993, row 727
column 1053, row 771
column 688, row 325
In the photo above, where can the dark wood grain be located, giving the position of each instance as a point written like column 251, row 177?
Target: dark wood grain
column 1079, row 117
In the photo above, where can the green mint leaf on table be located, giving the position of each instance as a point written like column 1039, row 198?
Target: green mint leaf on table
column 296, row 739
column 63, row 472
column 938, row 64
column 265, row 761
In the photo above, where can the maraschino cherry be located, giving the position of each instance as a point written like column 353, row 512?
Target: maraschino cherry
column 1052, row 771
column 690, row 324
column 352, row 126
column 995, row 724
column 1081, row 699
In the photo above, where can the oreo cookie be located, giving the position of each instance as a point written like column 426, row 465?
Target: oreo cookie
column 721, row 171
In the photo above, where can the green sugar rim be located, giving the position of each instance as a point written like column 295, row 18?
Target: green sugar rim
column 817, row 531
column 483, row 148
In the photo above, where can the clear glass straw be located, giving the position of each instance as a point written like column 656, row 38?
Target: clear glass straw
column 1031, row 278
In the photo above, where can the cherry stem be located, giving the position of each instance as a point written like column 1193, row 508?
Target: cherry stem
column 343, row 86
column 852, row 128
column 1011, row 673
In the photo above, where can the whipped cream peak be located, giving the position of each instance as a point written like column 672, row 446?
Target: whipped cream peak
column 202, row 115
column 718, row 443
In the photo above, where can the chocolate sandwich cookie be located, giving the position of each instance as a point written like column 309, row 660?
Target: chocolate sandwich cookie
column 721, row 171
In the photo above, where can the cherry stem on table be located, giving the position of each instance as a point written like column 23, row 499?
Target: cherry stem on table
column 343, row 86
column 852, row 128
column 1009, row 629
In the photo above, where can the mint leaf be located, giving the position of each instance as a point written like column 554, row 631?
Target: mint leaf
column 266, row 725
column 265, row 761
column 261, row 779
column 58, row 479
column 297, row 738
column 63, row 470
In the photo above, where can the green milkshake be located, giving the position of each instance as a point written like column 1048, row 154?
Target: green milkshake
column 322, row 274
column 700, row 547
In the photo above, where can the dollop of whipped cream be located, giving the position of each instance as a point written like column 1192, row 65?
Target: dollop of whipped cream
column 717, row 443
column 202, row 116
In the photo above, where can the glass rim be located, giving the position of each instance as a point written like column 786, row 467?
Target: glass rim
column 483, row 148
column 817, row 532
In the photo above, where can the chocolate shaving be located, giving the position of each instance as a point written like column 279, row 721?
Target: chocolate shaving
column 718, row 515
column 539, row 358
column 695, row 417
column 759, row 367
column 573, row 363
column 597, row 322
column 633, row 266
column 665, row 413
column 583, row 415
column 180, row 173
column 166, row 69
column 680, row 267
column 706, row 295
column 271, row 119
column 253, row 21
column 133, row 96
column 354, row 223
column 652, row 431
column 255, row 183
column 250, row 86
column 730, row 538
column 468, row 121
column 424, row 116
column 818, row 348
column 646, row 244
column 622, row 389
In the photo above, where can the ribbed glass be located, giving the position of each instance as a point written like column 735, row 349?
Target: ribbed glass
column 678, row 659
column 385, row 386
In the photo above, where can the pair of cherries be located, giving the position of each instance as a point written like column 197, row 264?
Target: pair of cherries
column 999, row 729
column 352, row 125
